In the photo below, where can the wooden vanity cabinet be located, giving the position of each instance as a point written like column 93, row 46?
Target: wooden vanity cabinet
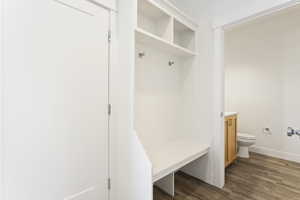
column 230, row 139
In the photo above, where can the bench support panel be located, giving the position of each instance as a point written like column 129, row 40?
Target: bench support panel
column 199, row 169
column 167, row 184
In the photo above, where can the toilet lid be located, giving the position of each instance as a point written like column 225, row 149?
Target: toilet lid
column 246, row 136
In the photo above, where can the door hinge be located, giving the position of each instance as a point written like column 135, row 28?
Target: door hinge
column 109, row 35
column 109, row 183
column 109, row 109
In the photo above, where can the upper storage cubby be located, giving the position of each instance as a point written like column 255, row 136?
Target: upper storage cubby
column 164, row 27
column 184, row 36
column 154, row 20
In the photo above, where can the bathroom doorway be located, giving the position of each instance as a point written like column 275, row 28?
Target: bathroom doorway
column 261, row 60
column 242, row 86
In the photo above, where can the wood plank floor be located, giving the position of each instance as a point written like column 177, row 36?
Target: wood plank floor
column 258, row 178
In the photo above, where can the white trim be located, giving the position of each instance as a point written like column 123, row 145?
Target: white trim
column 1, row 100
column 219, row 177
column 218, row 148
column 110, row 51
column 276, row 154
column 112, row 64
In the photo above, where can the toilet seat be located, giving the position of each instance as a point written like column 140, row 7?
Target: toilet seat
column 245, row 136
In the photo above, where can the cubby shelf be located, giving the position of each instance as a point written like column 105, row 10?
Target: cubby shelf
column 163, row 30
column 150, row 39
column 153, row 19
column 184, row 36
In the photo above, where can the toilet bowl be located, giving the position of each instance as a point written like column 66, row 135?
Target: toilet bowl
column 244, row 142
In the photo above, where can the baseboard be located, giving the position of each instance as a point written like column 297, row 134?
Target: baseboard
column 276, row 154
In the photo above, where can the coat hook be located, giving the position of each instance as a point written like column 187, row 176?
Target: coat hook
column 171, row 63
column 141, row 54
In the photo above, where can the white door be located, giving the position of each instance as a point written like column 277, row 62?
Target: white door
column 55, row 100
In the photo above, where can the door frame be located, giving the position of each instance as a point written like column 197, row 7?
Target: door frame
column 112, row 64
column 112, row 11
column 1, row 100
column 219, row 86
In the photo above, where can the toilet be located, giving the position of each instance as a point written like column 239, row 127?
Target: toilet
column 244, row 142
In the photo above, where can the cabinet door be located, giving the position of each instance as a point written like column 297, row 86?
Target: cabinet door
column 232, row 144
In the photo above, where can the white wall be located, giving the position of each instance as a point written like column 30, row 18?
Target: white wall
column 262, row 84
column 159, row 97
column 228, row 11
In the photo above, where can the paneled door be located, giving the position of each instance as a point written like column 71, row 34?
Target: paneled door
column 55, row 100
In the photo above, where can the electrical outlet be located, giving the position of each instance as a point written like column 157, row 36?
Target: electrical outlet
column 267, row 131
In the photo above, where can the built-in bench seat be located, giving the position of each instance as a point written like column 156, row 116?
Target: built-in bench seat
column 172, row 156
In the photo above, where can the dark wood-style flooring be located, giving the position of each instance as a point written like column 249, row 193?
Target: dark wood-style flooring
column 257, row 178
